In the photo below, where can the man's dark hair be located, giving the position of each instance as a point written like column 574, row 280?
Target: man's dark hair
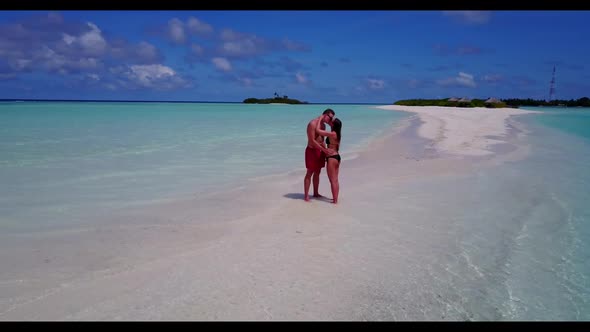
column 328, row 111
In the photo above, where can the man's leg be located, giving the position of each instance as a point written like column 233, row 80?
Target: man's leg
column 316, row 183
column 306, row 184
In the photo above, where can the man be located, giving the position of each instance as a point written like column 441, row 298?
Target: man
column 315, row 153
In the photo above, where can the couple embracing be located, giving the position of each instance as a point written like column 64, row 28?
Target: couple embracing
column 319, row 153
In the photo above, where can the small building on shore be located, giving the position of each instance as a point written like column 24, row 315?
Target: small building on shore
column 492, row 101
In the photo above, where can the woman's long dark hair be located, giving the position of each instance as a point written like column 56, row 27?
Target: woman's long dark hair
column 337, row 127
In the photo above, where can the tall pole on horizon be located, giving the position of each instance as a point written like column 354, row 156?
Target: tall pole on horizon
column 552, row 86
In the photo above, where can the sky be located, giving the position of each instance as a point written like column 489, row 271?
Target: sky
column 314, row 56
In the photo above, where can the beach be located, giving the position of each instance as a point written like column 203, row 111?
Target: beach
column 405, row 241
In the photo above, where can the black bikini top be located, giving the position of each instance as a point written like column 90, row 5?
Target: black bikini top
column 328, row 141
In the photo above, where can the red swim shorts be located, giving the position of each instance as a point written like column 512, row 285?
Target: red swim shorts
column 314, row 158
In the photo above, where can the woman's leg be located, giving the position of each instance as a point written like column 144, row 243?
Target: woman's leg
column 333, row 170
column 337, row 181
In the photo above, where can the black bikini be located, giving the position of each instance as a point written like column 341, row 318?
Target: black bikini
column 336, row 156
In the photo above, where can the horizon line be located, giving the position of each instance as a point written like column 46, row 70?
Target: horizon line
column 164, row 101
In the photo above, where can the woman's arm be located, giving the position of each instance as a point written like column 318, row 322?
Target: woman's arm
column 312, row 142
column 321, row 132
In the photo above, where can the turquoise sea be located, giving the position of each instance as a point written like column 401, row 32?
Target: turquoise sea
column 524, row 227
column 61, row 160
column 521, row 246
column 550, row 265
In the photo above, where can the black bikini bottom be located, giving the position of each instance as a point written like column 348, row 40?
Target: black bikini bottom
column 336, row 156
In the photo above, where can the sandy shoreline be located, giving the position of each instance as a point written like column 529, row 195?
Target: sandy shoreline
column 462, row 131
column 261, row 252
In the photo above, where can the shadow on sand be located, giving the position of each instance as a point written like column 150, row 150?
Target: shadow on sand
column 300, row 196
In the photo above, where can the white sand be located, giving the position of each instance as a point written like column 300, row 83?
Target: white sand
column 463, row 131
column 261, row 252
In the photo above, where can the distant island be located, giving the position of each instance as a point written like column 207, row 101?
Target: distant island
column 275, row 100
column 494, row 103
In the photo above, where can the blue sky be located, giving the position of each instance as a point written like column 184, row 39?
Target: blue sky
column 316, row 56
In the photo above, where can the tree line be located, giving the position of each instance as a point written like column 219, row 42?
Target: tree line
column 581, row 102
column 512, row 102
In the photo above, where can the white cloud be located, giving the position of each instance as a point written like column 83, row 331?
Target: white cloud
column 146, row 75
column 69, row 40
column 50, row 58
column 462, row 80
column 176, row 30
column 239, row 47
column 48, row 44
column 222, row 64
column 90, row 42
column 230, row 35
column 87, row 63
column 238, row 44
column 197, row 26
column 301, row 79
column 227, row 43
column 470, row 16
column 147, row 51
column 465, row 80
column 56, row 62
column 21, row 64
column 93, row 41
column 179, row 31
column 493, row 78
column 294, row 46
column 245, row 81
column 54, row 17
column 155, row 76
column 375, row 84
column 140, row 53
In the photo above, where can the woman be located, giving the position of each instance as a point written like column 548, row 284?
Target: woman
column 333, row 162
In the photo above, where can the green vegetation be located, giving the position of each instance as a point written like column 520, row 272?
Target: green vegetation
column 276, row 100
column 451, row 103
column 494, row 103
column 582, row 102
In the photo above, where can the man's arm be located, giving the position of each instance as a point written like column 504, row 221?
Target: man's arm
column 316, row 144
column 319, row 131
